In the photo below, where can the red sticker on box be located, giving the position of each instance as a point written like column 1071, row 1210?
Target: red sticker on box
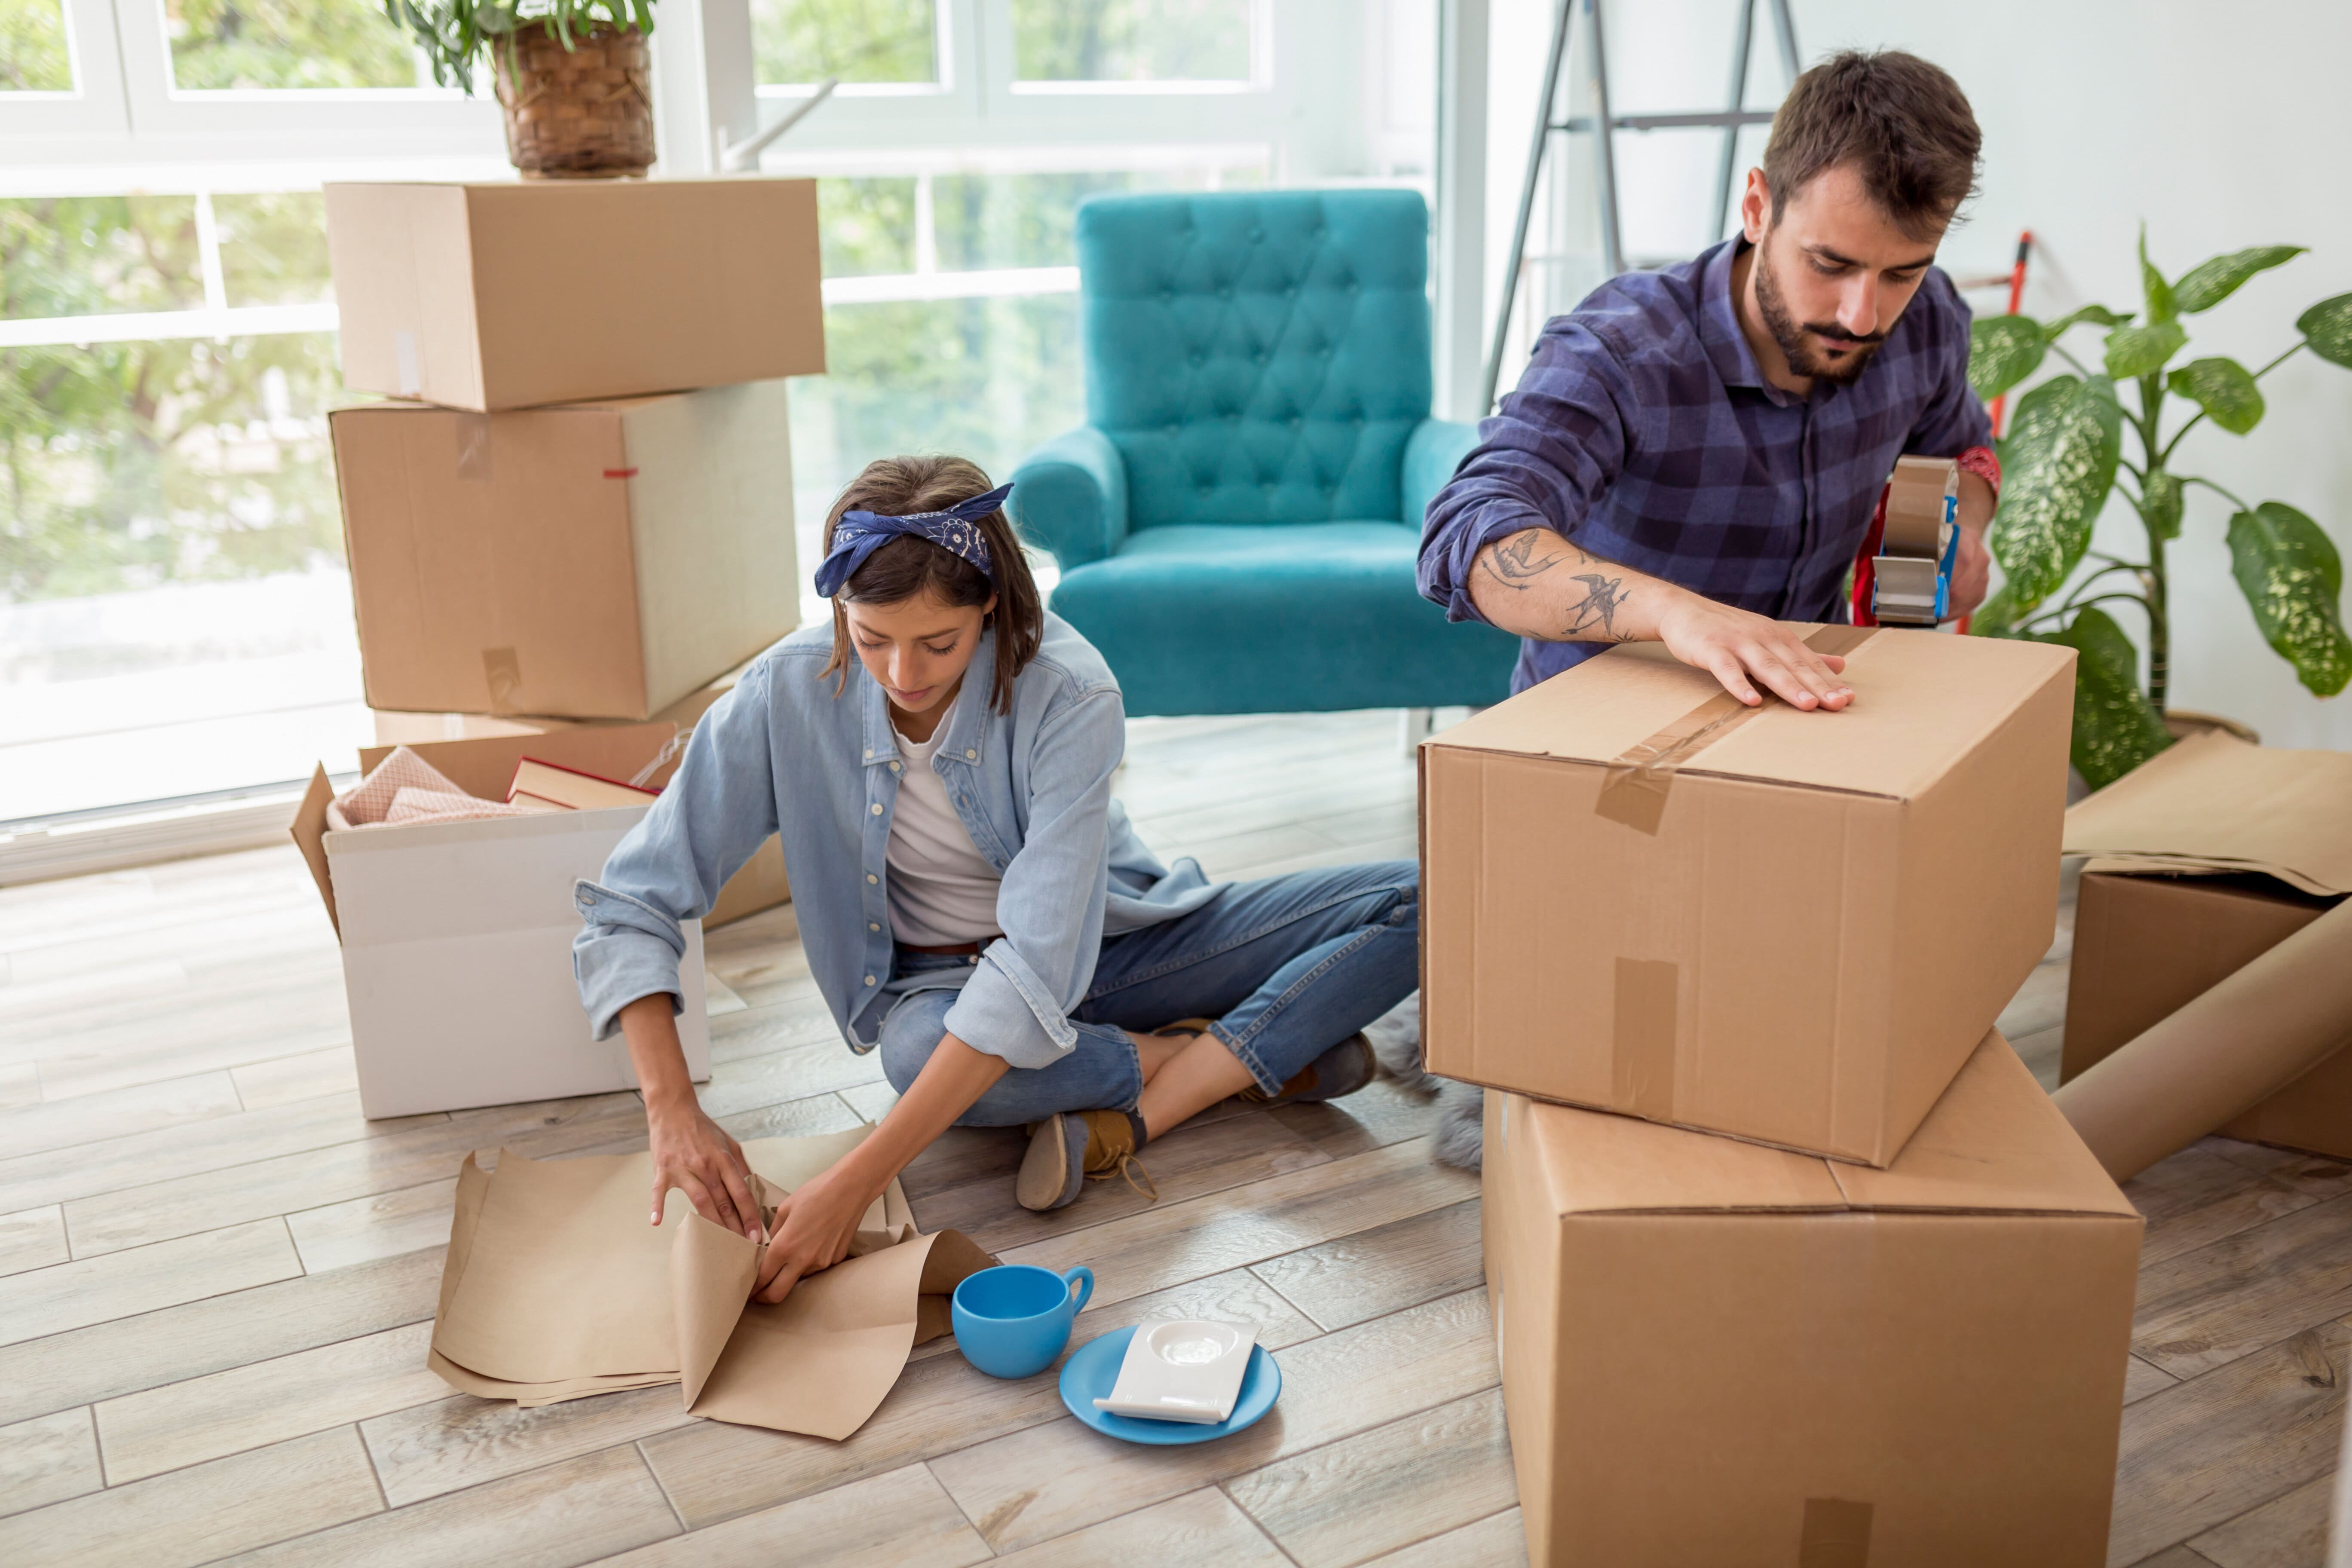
column 620, row 473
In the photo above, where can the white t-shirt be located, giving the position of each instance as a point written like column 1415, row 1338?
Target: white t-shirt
column 942, row 889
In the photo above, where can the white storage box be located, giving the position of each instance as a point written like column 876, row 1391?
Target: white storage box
column 457, row 936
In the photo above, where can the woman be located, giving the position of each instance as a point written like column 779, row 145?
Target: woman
column 972, row 900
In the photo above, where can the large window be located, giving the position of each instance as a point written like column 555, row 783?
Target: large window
column 175, row 615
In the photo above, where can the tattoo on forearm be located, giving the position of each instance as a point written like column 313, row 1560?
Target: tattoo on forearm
column 1603, row 597
column 1514, row 563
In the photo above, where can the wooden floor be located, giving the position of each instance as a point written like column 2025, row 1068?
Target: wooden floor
column 216, row 1281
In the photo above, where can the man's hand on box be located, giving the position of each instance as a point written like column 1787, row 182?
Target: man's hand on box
column 814, row 1227
column 1744, row 651
column 693, row 1154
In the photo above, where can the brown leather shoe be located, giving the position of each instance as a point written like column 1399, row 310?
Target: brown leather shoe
column 1343, row 1069
column 1071, row 1148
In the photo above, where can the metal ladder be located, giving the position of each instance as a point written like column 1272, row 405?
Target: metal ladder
column 1728, row 119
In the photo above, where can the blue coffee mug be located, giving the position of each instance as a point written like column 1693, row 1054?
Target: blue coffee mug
column 1013, row 1321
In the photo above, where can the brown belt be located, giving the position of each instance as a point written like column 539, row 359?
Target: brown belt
column 959, row 950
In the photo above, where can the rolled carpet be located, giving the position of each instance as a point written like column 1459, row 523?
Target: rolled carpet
column 2223, row 1053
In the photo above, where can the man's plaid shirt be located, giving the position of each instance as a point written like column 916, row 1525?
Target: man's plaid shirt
column 1643, row 432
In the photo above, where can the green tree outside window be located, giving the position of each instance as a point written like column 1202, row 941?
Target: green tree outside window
column 795, row 42
column 1131, row 40
column 33, row 53
column 264, row 44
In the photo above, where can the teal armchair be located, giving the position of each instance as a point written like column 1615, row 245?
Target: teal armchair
column 1236, row 522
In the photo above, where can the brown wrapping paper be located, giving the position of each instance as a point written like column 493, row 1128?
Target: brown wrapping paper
column 2227, row 1051
column 555, row 1288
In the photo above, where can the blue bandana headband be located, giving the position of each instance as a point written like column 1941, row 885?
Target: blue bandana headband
column 859, row 534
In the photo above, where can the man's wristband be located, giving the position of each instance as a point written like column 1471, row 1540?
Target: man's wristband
column 1981, row 462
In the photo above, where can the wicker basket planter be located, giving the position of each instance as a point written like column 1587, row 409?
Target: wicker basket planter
column 582, row 113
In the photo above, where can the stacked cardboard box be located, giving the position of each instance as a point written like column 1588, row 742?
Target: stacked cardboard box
column 574, row 517
column 1788, row 1254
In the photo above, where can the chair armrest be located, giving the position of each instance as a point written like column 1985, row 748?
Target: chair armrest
column 1431, row 453
column 1070, row 496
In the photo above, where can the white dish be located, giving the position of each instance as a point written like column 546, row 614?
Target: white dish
column 1182, row 1369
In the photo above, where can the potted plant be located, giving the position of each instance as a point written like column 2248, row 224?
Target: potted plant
column 2064, row 452
column 573, row 76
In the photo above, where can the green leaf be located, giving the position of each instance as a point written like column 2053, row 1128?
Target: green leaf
column 2161, row 497
column 2224, row 389
column 2002, row 352
column 2326, row 327
column 2060, row 459
column 2292, row 579
column 2097, row 315
column 2134, row 351
column 2115, row 727
column 2160, row 305
column 2209, row 283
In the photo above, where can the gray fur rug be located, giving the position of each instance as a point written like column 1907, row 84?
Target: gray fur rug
column 1460, row 1107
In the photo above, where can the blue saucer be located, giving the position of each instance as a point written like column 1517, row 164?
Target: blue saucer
column 1089, row 1375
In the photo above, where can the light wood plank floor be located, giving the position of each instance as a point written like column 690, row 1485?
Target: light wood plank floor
column 216, row 1281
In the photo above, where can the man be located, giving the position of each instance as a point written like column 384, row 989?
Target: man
column 1694, row 455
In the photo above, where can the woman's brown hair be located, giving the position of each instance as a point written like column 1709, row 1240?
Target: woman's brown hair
column 907, row 566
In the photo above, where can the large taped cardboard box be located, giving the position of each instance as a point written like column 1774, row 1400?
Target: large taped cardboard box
column 761, row 885
column 600, row 560
column 1781, row 926
column 1716, row 1353
column 2205, row 858
column 457, row 937
column 516, row 294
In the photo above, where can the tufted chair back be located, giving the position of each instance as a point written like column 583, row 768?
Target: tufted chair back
column 1257, row 358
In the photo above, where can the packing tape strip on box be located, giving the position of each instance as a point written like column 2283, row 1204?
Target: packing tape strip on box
column 1640, row 776
column 1641, row 1064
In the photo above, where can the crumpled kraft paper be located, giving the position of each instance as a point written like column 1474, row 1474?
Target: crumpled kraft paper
column 555, row 1288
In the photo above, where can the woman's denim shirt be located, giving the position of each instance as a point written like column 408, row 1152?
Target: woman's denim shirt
column 780, row 754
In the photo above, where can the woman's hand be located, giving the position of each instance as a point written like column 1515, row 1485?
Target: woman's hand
column 693, row 1154
column 814, row 1226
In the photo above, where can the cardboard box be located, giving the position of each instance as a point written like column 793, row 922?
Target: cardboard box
column 513, row 295
column 1715, row 1352
column 602, row 561
column 2210, row 856
column 1781, row 926
column 457, row 937
column 761, row 885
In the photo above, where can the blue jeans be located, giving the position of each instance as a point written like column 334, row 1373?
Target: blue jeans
column 1287, row 967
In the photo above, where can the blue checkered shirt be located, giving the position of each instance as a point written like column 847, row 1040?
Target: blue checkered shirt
column 1642, row 431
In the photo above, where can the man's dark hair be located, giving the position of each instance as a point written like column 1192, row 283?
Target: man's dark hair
column 1904, row 125
column 907, row 566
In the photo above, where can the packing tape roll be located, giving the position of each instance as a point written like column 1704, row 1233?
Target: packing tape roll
column 2222, row 1054
column 1642, row 1062
column 1836, row 1533
column 1918, row 498
column 1640, row 776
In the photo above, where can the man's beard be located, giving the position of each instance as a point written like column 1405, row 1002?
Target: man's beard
column 1790, row 337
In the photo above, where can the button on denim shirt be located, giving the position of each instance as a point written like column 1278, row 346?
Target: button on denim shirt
column 781, row 753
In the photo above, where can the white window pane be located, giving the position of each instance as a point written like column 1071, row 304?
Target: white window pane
column 1131, row 40
column 94, row 255
column 33, row 53
column 867, row 226
column 1029, row 220
column 795, row 42
column 174, row 617
column 264, row 44
column 273, row 248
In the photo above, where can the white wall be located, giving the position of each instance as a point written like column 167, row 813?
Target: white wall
column 2221, row 126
